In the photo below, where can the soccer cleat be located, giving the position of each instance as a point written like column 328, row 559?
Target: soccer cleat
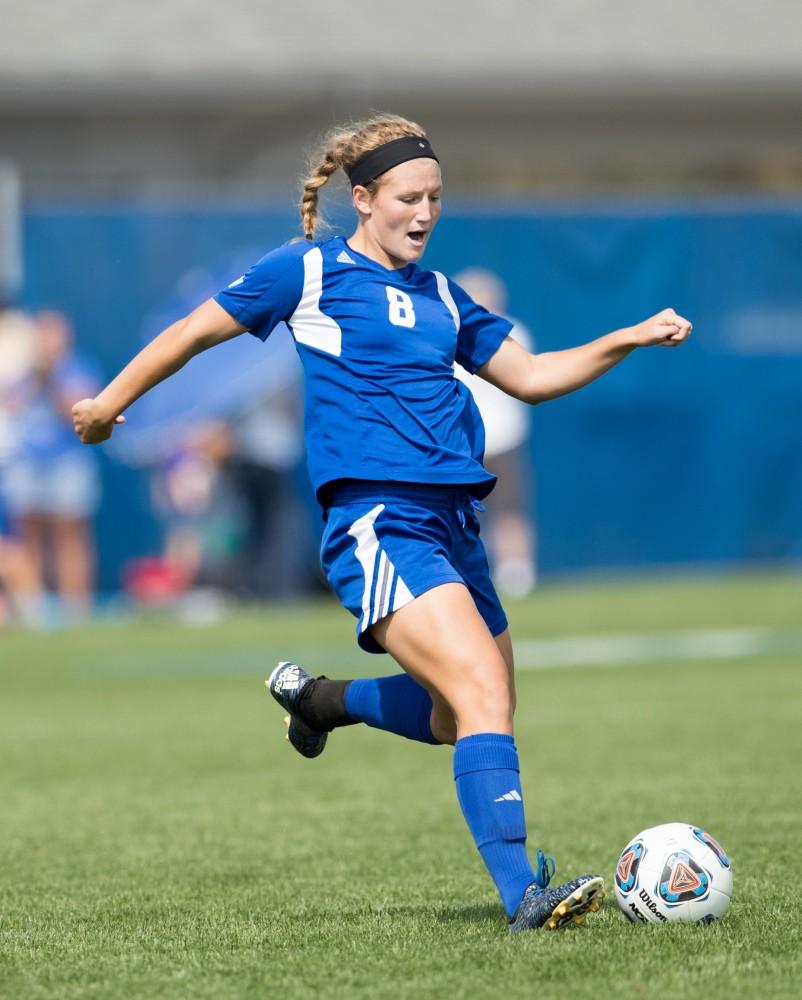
column 563, row 904
column 286, row 684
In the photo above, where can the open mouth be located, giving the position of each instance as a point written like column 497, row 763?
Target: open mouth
column 417, row 237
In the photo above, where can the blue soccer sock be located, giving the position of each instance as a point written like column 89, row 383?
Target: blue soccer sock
column 397, row 704
column 488, row 783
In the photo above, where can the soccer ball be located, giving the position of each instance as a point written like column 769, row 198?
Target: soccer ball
column 673, row 872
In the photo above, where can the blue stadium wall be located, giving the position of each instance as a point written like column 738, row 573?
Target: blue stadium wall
column 691, row 456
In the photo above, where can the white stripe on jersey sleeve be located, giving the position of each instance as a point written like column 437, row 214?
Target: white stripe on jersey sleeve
column 309, row 325
column 445, row 294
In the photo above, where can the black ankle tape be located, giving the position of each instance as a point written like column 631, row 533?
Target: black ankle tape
column 322, row 705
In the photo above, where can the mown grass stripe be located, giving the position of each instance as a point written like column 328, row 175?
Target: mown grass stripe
column 620, row 649
column 656, row 647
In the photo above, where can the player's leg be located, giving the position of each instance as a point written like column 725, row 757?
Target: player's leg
column 317, row 705
column 443, row 641
column 504, row 645
column 377, row 555
column 443, row 722
column 460, row 678
column 543, row 905
column 397, row 704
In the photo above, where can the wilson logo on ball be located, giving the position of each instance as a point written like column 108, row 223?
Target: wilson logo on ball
column 626, row 872
column 682, row 879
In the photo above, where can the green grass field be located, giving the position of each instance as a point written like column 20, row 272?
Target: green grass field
column 160, row 839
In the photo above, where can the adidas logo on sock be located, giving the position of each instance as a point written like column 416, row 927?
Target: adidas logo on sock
column 343, row 258
column 511, row 796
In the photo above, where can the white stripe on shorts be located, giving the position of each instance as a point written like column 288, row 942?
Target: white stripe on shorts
column 403, row 595
column 376, row 565
column 382, row 573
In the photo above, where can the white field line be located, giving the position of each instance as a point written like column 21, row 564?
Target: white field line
column 627, row 648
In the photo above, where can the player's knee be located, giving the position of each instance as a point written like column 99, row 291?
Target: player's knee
column 488, row 698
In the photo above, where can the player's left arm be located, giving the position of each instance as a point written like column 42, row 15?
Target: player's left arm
column 535, row 378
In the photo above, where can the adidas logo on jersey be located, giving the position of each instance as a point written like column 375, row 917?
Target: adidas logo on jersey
column 343, row 258
column 511, row 796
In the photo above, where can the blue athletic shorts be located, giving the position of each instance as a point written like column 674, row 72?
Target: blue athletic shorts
column 64, row 486
column 387, row 543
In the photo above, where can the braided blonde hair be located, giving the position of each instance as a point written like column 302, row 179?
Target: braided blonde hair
column 342, row 147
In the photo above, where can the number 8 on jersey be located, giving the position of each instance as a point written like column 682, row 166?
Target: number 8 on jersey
column 402, row 312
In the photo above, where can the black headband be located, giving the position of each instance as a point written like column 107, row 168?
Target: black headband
column 378, row 161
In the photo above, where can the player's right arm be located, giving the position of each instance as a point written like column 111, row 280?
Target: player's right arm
column 209, row 324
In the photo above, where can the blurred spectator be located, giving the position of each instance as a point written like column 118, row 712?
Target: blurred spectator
column 510, row 531
column 50, row 482
column 16, row 349
column 194, row 501
column 233, row 523
column 19, row 596
column 268, row 448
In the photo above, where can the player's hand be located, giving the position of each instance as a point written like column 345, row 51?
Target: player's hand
column 666, row 329
column 89, row 424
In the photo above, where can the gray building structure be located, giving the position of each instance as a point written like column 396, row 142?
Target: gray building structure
column 103, row 99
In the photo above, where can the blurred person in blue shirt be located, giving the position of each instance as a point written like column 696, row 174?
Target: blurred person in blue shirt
column 51, row 485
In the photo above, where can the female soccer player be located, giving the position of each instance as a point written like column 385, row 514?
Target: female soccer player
column 395, row 445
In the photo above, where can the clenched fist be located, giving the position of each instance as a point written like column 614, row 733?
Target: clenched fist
column 89, row 424
column 666, row 329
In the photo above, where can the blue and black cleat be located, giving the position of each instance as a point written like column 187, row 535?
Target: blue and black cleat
column 568, row 903
column 287, row 683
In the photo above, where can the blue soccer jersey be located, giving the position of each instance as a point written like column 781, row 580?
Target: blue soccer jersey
column 378, row 347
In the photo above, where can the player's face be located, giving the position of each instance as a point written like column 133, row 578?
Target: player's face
column 399, row 217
